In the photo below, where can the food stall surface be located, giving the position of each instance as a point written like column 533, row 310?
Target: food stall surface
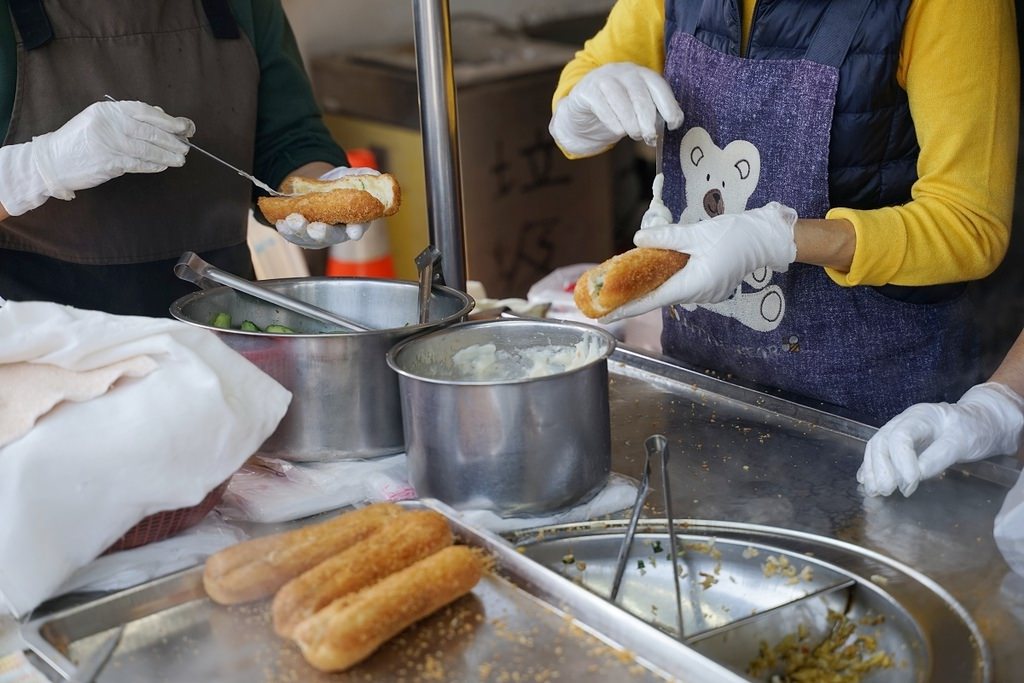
column 744, row 463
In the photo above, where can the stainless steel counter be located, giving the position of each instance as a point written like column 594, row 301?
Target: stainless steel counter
column 741, row 455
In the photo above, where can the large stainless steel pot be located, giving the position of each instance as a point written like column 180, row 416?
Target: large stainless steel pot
column 516, row 445
column 345, row 400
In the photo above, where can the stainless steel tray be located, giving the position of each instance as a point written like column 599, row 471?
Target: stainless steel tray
column 744, row 585
column 523, row 622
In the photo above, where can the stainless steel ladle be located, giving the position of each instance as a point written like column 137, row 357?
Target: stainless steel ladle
column 191, row 268
column 426, row 263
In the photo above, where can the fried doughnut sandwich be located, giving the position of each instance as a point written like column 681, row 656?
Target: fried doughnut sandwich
column 625, row 277
column 343, row 587
column 350, row 199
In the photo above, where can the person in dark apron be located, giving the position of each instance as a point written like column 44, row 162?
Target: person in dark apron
column 830, row 218
column 98, row 200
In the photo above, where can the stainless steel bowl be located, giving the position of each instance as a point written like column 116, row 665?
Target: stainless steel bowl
column 515, row 445
column 345, row 400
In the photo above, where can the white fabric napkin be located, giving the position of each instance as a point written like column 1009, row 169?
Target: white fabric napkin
column 270, row 490
column 88, row 471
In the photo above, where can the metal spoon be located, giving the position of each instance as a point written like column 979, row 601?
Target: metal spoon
column 248, row 176
column 193, row 269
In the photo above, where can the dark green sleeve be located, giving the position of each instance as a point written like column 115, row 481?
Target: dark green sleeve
column 8, row 68
column 289, row 129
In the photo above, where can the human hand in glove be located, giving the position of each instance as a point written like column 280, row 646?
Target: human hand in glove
column 611, row 102
column 297, row 230
column 926, row 438
column 102, row 142
column 723, row 250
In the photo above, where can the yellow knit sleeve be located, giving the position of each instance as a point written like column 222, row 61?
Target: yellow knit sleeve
column 634, row 32
column 959, row 66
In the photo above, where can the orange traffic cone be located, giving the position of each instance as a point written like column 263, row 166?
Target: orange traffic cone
column 369, row 256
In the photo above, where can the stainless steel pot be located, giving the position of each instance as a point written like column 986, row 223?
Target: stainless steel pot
column 514, row 444
column 345, row 400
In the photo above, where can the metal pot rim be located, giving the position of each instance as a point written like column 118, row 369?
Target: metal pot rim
column 177, row 307
column 395, row 350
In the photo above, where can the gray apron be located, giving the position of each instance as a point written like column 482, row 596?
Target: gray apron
column 758, row 131
column 119, row 240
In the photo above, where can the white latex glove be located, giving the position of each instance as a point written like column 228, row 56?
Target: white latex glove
column 103, row 141
column 657, row 213
column 926, row 438
column 723, row 250
column 611, row 102
column 297, row 230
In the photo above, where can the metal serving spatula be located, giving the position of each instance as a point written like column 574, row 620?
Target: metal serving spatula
column 659, row 144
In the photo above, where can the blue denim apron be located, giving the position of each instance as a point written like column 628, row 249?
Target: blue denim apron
column 758, row 131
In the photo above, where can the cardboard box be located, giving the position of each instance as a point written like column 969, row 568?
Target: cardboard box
column 526, row 208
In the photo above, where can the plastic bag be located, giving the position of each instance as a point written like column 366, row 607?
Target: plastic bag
column 137, row 565
column 267, row 490
column 270, row 490
column 1009, row 527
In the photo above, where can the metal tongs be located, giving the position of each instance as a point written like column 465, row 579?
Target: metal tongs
column 191, row 268
column 655, row 444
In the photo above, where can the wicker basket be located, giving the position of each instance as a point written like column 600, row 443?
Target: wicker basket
column 161, row 525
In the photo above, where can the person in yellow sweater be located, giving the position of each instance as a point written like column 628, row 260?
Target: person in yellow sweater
column 836, row 170
column 928, row 438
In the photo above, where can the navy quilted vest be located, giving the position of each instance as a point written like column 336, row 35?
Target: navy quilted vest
column 873, row 151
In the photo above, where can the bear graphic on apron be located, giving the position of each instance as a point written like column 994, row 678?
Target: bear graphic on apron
column 720, row 181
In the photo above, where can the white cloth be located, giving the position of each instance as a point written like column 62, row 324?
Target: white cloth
column 611, row 102
column 268, row 490
column 723, row 250
column 297, row 230
column 89, row 471
column 103, row 141
column 927, row 438
column 1009, row 527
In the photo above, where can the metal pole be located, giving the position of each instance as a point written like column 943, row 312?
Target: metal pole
column 438, row 125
